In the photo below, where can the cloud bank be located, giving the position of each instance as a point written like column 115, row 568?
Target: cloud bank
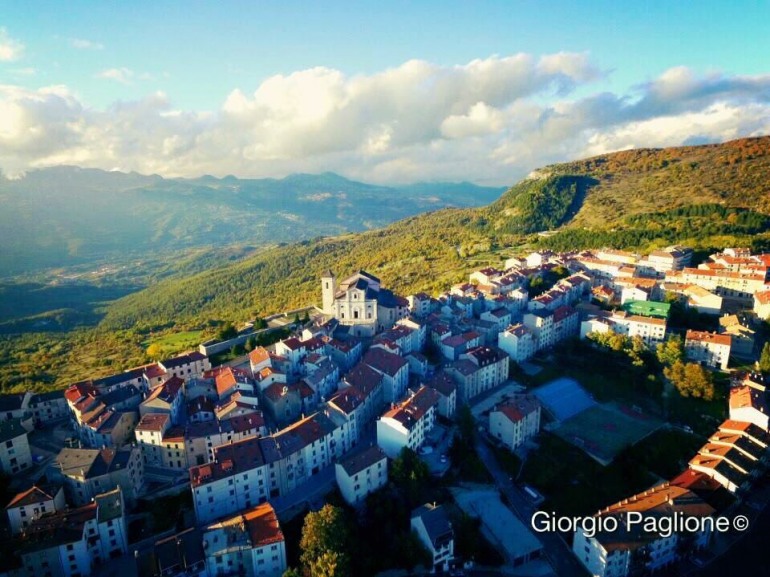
column 490, row 121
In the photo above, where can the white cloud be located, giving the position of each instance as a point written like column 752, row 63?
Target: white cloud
column 490, row 120
column 10, row 49
column 122, row 75
column 83, row 44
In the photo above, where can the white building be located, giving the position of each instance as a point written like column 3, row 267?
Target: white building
column 749, row 405
column 709, row 349
column 394, row 370
column 619, row 553
column 88, row 472
column 406, row 425
column 73, row 542
column 15, row 455
column 249, row 544
column 32, row 504
column 361, row 474
column 516, row 421
column 432, row 526
column 518, row 341
column 762, row 304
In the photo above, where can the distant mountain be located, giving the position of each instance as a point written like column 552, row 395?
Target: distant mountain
column 67, row 215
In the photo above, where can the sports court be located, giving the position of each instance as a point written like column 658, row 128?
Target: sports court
column 602, row 431
column 564, row 398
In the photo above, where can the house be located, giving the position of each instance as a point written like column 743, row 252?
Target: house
column 702, row 300
column 518, row 342
column 74, row 542
column 394, row 370
column 185, row 366
column 351, row 403
column 709, row 349
column 32, row 504
column 431, row 523
column 282, row 402
column 540, row 323
column 515, row 421
column 370, row 384
column 344, row 353
column 749, row 404
column 149, row 435
column 419, row 304
column 175, row 556
column 446, row 388
column 86, row 473
column 359, row 302
column 250, row 543
column 48, row 407
column 762, row 304
column 418, row 364
column 479, row 370
column 109, row 428
column 166, row 398
column 452, row 347
column 735, row 286
column 501, row 316
column 738, row 327
column 407, row 424
column 15, row 454
column 617, row 553
column 361, row 474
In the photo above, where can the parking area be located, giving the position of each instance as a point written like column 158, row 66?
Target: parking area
column 434, row 451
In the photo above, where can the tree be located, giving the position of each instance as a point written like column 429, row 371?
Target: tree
column 292, row 572
column 306, row 317
column 670, row 352
column 325, row 543
column 154, row 351
column 691, row 380
column 227, row 332
column 251, row 343
column 411, row 475
column 764, row 359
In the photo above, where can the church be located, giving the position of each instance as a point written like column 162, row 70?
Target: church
column 360, row 303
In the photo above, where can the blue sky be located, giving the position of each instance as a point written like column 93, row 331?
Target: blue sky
column 268, row 88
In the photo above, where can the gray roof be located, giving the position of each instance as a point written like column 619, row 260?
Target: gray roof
column 357, row 463
column 11, row 429
column 436, row 523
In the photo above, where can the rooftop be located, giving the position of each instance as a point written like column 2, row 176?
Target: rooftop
column 357, row 463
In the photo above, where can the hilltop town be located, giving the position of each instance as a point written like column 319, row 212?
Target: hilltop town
column 457, row 409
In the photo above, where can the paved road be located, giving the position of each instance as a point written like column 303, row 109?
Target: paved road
column 558, row 553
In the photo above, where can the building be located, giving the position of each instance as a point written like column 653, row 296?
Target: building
column 48, row 407
column 32, row 504
column 709, row 349
column 72, row 542
column 407, row 424
column 361, row 474
column 629, row 548
column 515, row 421
column 762, row 304
column 431, row 523
column 179, row 555
column 446, row 388
column 394, row 370
column 749, row 405
column 738, row 327
column 249, row 544
column 359, row 302
column 519, row 342
column 15, row 455
column 479, row 370
column 86, row 473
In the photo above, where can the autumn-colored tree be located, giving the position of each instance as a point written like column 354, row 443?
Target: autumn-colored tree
column 325, row 543
column 691, row 380
column 155, row 351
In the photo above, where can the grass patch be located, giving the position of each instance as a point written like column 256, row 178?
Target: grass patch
column 176, row 342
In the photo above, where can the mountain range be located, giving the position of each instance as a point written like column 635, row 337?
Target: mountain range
column 63, row 216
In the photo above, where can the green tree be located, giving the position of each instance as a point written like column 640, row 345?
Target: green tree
column 227, row 332
column 325, row 543
column 764, row 359
column 251, row 343
column 411, row 475
column 292, row 572
column 306, row 317
column 671, row 351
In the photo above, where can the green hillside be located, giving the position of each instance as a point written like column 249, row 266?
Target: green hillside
column 720, row 198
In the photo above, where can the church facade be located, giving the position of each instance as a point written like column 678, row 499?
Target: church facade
column 361, row 303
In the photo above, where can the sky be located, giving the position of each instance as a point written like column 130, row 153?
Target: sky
column 386, row 92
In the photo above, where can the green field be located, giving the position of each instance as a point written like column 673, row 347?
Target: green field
column 176, row 342
column 605, row 430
